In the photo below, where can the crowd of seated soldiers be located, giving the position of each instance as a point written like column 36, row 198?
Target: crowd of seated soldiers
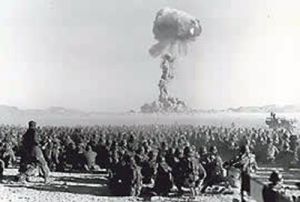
column 161, row 156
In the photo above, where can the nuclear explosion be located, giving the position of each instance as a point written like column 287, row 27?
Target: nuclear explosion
column 173, row 30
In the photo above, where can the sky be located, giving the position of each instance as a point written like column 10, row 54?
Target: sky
column 92, row 55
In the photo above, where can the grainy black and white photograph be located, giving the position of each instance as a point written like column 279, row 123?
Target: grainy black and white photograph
column 149, row 100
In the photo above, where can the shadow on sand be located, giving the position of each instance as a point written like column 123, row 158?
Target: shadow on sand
column 90, row 186
column 96, row 181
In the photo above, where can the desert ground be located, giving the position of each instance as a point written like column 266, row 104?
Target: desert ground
column 86, row 187
column 79, row 187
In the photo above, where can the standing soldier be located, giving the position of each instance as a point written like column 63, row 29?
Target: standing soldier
column 32, row 155
column 246, row 162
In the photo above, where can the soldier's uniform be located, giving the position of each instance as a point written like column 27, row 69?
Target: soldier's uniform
column 214, row 169
column 131, row 180
column 149, row 168
column 101, row 153
column 204, row 157
column 7, row 154
column 32, row 155
column 176, row 169
column 297, row 153
column 163, row 181
column 2, row 166
column 47, row 147
column 274, row 192
column 247, row 164
column 271, row 152
column 90, row 159
column 70, row 155
column 140, row 156
column 285, row 157
column 80, row 159
column 55, row 156
column 192, row 170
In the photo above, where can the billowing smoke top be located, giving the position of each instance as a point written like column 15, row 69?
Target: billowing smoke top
column 173, row 28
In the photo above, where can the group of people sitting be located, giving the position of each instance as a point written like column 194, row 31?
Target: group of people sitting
column 157, row 158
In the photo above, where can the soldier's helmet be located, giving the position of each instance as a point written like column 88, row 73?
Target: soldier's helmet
column 213, row 149
column 178, row 152
column 188, row 152
column 161, row 159
column 32, row 124
column 244, row 149
column 203, row 150
column 275, row 177
column 286, row 146
column 127, row 158
column 151, row 154
column 88, row 147
column 269, row 140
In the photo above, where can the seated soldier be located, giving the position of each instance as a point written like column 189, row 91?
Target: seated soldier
column 2, row 166
column 214, row 169
column 70, row 155
column 8, row 155
column 130, row 177
column 163, row 181
column 80, row 157
column 275, row 191
column 192, row 171
column 140, row 156
column 176, row 169
column 285, row 157
column 170, row 157
column 297, row 153
column 149, row 168
column 90, row 159
column 204, row 157
column 46, row 147
column 272, row 151
column 55, row 156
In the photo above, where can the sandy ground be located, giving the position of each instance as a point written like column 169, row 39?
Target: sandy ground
column 71, row 187
column 86, row 187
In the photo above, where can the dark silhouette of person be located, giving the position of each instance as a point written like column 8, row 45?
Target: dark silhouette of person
column 32, row 156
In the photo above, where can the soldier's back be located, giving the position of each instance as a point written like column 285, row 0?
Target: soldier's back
column 270, row 193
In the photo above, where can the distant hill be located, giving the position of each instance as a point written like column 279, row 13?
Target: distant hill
column 266, row 109
column 10, row 114
column 64, row 116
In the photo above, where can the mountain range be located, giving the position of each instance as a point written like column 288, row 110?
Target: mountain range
column 60, row 115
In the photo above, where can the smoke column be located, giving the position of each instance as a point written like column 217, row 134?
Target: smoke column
column 173, row 30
